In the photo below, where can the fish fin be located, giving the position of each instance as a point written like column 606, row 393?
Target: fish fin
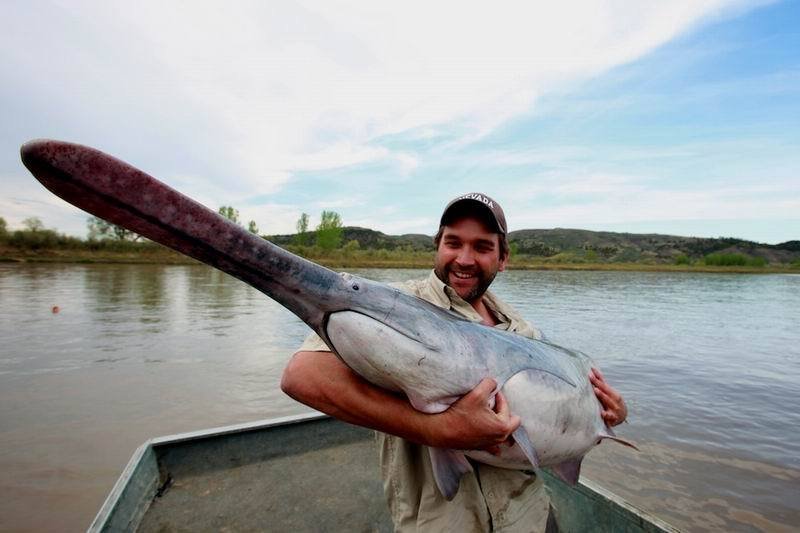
column 521, row 438
column 609, row 434
column 448, row 467
column 424, row 405
column 568, row 471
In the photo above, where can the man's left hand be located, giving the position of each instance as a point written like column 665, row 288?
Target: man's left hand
column 614, row 411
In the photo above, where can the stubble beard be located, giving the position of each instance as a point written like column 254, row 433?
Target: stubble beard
column 480, row 288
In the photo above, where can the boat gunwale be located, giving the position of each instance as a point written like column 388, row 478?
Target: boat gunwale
column 124, row 481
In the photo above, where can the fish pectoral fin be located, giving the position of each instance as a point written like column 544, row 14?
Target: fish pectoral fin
column 425, row 405
column 448, row 467
column 521, row 438
column 568, row 471
column 609, row 434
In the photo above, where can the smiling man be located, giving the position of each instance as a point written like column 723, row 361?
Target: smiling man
column 471, row 248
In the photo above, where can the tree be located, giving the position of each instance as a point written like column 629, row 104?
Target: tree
column 102, row 229
column 329, row 231
column 33, row 224
column 252, row 228
column 302, row 223
column 230, row 213
column 302, row 230
column 3, row 228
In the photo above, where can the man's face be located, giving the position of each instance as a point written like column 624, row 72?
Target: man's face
column 468, row 258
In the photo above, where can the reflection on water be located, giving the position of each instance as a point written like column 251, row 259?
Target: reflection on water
column 709, row 364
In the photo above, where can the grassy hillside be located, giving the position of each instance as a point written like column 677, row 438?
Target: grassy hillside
column 557, row 248
column 561, row 245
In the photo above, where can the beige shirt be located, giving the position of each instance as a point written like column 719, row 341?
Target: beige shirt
column 488, row 499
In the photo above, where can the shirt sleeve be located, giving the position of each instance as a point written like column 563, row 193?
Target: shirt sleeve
column 313, row 343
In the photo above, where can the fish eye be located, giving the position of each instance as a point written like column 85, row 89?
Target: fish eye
column 355, row 286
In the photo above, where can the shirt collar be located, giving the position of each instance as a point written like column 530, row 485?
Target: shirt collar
column 445, row 296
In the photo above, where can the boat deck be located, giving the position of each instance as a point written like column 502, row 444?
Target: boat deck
column 306, row 473
column 295, row 483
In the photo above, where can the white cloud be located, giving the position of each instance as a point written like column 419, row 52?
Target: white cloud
column 24, row 199
column 253, row 94
column 291, row 87
column 398, row 226
column 596, row 200
column 271, row 218
column 339, row 203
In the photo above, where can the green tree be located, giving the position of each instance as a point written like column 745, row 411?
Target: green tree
column 230, row 213
column 35, row 236
column 103, row 229
column 301, row 237
column 33, row 224
column 3, row 229
column 329, row 230
column 252, row 228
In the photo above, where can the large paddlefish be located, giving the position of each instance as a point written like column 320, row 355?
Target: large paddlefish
column 392, row 339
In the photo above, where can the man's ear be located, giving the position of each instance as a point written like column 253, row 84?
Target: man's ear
column 502, row 265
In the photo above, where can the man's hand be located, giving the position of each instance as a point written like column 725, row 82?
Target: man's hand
column 471, row 424
column 614, row 411
column 323, row 381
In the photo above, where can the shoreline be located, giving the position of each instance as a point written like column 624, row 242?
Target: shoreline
column 167, row 257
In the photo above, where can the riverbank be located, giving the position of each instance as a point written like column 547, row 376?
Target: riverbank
column 340, row 259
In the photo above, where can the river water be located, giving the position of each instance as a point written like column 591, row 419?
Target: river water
column 709, row 365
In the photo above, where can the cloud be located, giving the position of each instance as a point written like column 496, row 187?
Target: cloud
column 291, row 87
column 591, row 200
column 272, row 218
column 399, row 226
column 232, row 103
column 25, row 199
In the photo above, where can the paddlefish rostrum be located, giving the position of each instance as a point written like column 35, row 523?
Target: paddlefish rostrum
column 392, row 339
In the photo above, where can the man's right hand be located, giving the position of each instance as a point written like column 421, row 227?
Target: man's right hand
column 322, row 381
column 472, row 423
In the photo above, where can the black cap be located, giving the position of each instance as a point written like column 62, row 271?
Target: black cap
column 476, row 200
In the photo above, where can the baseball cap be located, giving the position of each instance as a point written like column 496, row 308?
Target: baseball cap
column 466, row 203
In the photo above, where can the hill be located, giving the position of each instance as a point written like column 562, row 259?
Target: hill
column 632, row 247
column 368, row 239
column 578, row 244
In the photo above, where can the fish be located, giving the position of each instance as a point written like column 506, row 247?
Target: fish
column 392, row 339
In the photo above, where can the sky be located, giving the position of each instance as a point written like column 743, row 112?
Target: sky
column 678, row 117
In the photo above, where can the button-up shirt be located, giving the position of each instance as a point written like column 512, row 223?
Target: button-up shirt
column 489, row 498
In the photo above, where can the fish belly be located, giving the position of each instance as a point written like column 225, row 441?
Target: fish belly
column 386, row 357
column 562, row 422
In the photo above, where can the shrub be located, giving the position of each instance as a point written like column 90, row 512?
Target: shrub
column 718, row 259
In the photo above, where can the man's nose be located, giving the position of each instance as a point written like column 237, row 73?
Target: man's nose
column 465, row 256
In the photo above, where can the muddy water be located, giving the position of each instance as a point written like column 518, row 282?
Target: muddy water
column 709, row 364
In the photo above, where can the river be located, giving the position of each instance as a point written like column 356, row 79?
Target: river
column 709, row 365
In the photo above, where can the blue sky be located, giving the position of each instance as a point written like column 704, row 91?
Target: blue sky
column 668, row 117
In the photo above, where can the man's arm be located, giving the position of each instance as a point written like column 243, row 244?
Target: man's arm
column 323, row 381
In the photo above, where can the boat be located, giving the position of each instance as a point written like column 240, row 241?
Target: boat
column 299, row 473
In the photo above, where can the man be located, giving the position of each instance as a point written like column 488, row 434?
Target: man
column 471, row 248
